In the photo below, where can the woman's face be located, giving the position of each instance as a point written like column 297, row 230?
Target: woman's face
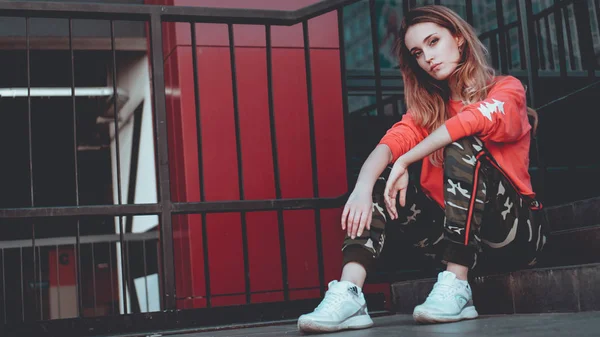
column 434, row 48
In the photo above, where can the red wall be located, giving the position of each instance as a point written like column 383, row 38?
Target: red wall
column 220, row 155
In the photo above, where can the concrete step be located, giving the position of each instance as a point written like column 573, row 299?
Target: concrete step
column 543, row 290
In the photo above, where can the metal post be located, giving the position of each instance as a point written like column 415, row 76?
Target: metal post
column 164, row 191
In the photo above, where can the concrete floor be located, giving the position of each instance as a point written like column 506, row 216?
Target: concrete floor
column 533, row 325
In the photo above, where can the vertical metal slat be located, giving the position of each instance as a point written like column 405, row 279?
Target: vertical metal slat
column 145, row 275
column 164, row 192
column 94, row 279
column 376, row 65
column 30, row 149
column 238, row 143
column 276, row 174
column 124, row 274
column 78, row 235
column 313, row 156
column 203, row 219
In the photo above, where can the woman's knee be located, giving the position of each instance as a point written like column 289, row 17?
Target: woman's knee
column 463, row 151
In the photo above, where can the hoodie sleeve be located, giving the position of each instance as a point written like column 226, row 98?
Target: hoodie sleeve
column 403, row 136
column 501, row 117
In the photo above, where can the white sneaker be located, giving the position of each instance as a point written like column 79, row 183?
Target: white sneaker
column 343, row 307
column 450, row 300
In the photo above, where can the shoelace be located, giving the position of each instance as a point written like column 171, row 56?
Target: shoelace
column 331, row 301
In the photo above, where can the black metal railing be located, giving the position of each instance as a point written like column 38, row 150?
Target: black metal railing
column 166, row 206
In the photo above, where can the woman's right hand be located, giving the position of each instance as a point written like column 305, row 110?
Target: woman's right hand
column 357, row 212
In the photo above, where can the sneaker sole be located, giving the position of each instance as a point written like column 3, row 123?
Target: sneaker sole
column 353, row 323
column 428, row 318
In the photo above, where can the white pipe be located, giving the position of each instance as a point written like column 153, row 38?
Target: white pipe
column 56, row 92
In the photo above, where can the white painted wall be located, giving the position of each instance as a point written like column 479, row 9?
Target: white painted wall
column 133, row 78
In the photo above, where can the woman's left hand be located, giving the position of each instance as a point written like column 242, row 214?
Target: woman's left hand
column 396, row 185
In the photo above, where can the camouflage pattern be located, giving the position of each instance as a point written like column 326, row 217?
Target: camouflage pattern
column 512, row 227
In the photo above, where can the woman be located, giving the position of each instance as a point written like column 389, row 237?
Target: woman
column 471, row 130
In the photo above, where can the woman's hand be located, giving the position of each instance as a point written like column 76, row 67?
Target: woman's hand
column 396, row 185
column 357, row 212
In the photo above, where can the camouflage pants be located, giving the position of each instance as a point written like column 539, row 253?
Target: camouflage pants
column 484, row 216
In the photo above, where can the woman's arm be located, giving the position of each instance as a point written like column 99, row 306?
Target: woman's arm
column 438, row 139
column 398, row 180
column 359, row 207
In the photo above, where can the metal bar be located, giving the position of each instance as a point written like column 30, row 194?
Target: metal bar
column 164, row 191
column 597, row 9
column 560, row 41
column 317, row 9
column 345, row 112
column 313, row 155
column 509, row 51
column 22, row 283
column 71, row 240
column 181, row 207
column 30, row 149
column 49, row 9
column 495, row 31
column 586, row 39
column 469, row 4
column 124, row 275
column 94, row 279
column 112, row 210
column 4, row 286
column 570, row 94
column 169, row 13
column 133, row 164
column 276, row 173
column 529, row 41
column 560, row 4
column 567, row 22
column 128, row 282
column 258, row 205
column 75, row 160
column 112, row 290
column 540, row 44
column 41, row 293
column 501, row 36
column 551, row 61
column 494, row 51
column 58, row 283
column 203, row 217
column 376, row 65
column 238, row 143
column 145, row 275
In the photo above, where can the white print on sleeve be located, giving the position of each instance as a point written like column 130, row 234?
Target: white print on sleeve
column 487, row 109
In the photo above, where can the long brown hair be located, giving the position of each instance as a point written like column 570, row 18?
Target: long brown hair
column 425, row 96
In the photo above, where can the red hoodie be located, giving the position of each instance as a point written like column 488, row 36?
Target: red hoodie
column 500, row 121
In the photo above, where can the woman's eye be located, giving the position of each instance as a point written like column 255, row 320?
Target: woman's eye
column 433, row 41
column 417, row 54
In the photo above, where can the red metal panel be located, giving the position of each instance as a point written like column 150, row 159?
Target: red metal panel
column 220, row 159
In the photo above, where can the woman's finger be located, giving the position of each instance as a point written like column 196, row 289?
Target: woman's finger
column 345, row 216
column 364, row 220
column 350, row 222
column 403, row 197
